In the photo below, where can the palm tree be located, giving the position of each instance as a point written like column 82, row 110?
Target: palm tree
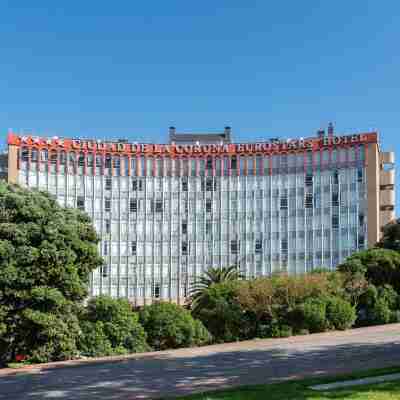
column 212, row 276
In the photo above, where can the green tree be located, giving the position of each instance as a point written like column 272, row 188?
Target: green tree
column 379, row 266
column 170, row 326
column 46, row 255
column 391, row 236
column 109, row 326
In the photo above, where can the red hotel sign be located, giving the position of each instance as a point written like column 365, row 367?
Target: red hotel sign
column 175, row 149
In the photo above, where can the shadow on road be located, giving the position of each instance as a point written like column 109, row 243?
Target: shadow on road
column 166, row 375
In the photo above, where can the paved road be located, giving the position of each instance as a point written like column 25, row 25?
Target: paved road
column 165, row 374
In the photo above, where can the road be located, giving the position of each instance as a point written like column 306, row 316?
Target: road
column 178, row 372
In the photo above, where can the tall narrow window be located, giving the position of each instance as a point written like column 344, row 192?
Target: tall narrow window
column 107, row 205
column 184, row 248
column 108, row 184
column 309, row 180
column 158, row 205
column 234, row 247
column 209, row 184
column 80, row 203
column 184, row 227
column 133, row 205
column 81, row 159
column 25, row 154
column 157, row 290
column 284, row 202
column 359, row 175
column 133, row 248
column 336, row 177
column 108, row 161
column 233, row 162
column 34, row 155
column 308, row 200
column 104, row 270
column 258, row 246
column 107, row 225
column 53, row 157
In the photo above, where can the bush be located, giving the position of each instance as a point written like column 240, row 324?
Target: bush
column 221, row 313
column 170, row 326
column 313, row 315
column 340, row 314
column 389, row 295
column 380, row 313
column 277, row 330
column 109, row 326
column 93, row 340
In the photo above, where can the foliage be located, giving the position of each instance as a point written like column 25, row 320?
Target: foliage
column 210, row 277
column 279, row 298
column 379, row 266
column 170, row 326
column 109, row 326
column 277, row 330
column 310, row 316
column 380, row 313
column 46, row 255
column 340, row 314
column 220, row 312
column 391, row 236
column 378, row 305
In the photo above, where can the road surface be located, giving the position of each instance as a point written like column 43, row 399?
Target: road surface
column 178, row 372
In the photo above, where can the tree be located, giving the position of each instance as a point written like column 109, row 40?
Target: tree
column 379, row 266
column 391, row 236
column 210, row 277
column 170, row 326
column 110, row 326
column 46, row 255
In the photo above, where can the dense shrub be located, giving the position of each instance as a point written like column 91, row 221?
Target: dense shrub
column 278, row 330
column 380, row 313
column 109, row 326
column 93, row 340
column 340, row 314
column 221, row 313
column 170, row 326
column 310, row 316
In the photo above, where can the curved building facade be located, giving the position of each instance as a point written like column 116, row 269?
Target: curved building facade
column 166, row 213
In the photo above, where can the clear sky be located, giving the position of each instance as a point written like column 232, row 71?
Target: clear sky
column 133, row 68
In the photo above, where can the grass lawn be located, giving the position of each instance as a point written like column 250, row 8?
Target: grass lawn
column 298, row 390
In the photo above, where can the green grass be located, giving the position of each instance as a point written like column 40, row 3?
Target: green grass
column 299, row 390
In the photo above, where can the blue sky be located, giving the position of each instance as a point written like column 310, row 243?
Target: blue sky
column 131, row 69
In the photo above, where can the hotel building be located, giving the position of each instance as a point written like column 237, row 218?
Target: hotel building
column 167, row 212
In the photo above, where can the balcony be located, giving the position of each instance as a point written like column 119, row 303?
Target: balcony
column 387, row 199
column 387, row 157
column 387, row 179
